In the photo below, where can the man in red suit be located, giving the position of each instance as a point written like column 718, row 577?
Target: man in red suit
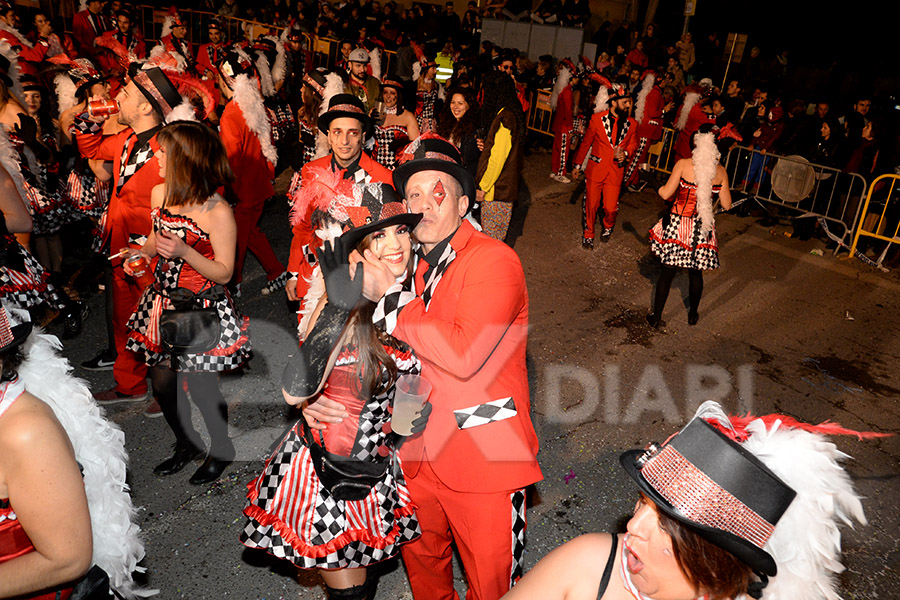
column 563, row 120
column 247, row 135
column 89, row 24
column 173, row 37
column 143, row 104
column 611, row 138
column 209, row 54
column 346, row 124
column 466, row 316
column 648, row 111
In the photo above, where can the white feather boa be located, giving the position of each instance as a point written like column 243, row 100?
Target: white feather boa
column 265, row 75
column 14, row 71
column 417, row 70
column 375, row 62
column 15, row 32
column 100, row 450
column 690, row 99
column 562, row 80
column 646, row 86
column 278, row 69
column 9, row 159
column 183, row 112
column 705, row 160
column 250, row 101
column 65, row 92
column 601, row 100
column 806, row 543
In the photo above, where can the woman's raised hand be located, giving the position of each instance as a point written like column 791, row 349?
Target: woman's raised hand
column 169, row 245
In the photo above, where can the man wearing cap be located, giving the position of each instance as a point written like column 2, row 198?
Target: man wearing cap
column 347, row 125
column 466, row 316
column 88, row 25
column 143, row 106
column 611, row 138
column 361, row 84
column 209, row 54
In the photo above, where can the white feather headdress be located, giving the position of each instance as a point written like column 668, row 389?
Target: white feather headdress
column 690, row 100
column 416, row 70
column 265, row 74
column 250, row 101
column 705, row 160
column 601, row 100
column 375, row 62
column 562, row 80
column 646, row 86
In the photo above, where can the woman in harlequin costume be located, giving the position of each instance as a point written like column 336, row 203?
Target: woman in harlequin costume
column 318, row 86
column 193, row 235
column 686, row 237
column 427, row 90
column 397, row 126
column 291, row 513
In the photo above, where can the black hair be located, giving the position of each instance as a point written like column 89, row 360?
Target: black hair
column 502, row 94
column 9, row 364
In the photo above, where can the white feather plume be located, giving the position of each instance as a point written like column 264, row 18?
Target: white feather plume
column 65, row 92
column 601, row 100
column 705, row 160
column 250, row 101
column 14, row 72
column 265, row 74
column 310, row 301
column 806, row 543
column 375, row 62
column 156, row 57
column 690, row 99
column 17, row 34
column 646, row 86
column 333, row 85
column 100, row 450
column 416, row 70
column 278, row 69
column 323, row 147
column 9, row 159
column 167, row 26
column 562, row 80
column 183, row 112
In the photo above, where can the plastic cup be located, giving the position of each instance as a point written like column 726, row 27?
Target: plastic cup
column 410, row 394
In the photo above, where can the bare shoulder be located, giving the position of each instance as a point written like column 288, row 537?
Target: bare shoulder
column 29, row 425
column 220, row 211
column 157, row 195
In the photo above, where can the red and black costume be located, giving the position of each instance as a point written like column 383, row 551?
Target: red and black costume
column 563, row 126
column 86, row 27
column 649, row 116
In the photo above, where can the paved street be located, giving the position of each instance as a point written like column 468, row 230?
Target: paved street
column 780, row 330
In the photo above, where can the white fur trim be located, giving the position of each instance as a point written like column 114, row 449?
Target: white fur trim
column 183, row 112
column 562, row 80
column 690, row 99
column 65, row 92
column 100, row 450
column 375, row 63
column 18, row 35
column 706, row 162
column 250, row 101
column 646, row 86
column 9, row 159
column 601, row 100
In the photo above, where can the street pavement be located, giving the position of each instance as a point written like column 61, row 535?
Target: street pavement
column 780, row 329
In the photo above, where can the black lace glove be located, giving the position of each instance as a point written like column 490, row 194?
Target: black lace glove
column 27, row 131
column 419, row 423
column 334, row 261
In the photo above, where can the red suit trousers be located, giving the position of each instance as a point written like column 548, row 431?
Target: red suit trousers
column 250, row 237
column 605, row 190
column 561, row 141
column 482, row 525
column 129, row 369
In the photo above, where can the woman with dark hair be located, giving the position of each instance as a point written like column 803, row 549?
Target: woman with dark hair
column 500, row 165
column 396, row 126
column 724, row 504
column 427, row 89
column 686, row 236
column 194, row 235
column 829, row 146
column 295, row 511
column 459, row 123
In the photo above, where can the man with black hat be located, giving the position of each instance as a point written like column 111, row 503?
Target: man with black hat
column 144, row 104
column 209, row 54
column 130, row 40
column 611, row 139
column 347, row 125
column 361, row 84
column 466, row 316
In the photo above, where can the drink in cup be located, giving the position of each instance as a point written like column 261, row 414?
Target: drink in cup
column 102, row 108
column 140, row 269
column 410, row 394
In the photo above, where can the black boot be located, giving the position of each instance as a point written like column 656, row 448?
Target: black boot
column 213, row 467
column 184, row 453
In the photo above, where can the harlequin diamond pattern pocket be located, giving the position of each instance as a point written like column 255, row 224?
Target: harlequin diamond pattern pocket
column 482, row 414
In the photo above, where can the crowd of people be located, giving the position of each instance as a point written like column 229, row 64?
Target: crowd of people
column 401, row 196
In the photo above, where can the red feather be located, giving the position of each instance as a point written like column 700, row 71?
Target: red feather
column 190, row 86
column 825, row 428
column 324, row 185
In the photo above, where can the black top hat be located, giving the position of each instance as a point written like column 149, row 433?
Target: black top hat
column 617, row 91
column 158, row 90
column 715, row 487
column 12, row 336
column 430, row 152
column 380, row 208
column 315, row 79
column 393, row 84
column 216, row 23
column 30, row 83
column 344, row 105
column 236, row 62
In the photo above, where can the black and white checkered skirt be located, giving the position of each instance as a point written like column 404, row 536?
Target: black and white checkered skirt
column 679, row 244
column 230, row 353
column 23, row 282
column 293, row 517
column 84, row 194
column 48, row 214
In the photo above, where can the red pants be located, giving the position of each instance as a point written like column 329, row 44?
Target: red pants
column 129, row 370
column 250, row 237
column 606, row 189
column 561, row 140
column 483, row 527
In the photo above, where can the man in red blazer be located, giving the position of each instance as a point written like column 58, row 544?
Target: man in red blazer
column 611, row 138
column 466, row 316
column 648, row 111
column 87, row 25
column 209, row 54
column 143, row 104
column 346, row 124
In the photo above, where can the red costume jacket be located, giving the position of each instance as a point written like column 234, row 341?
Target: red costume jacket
column 563, row 117
column 179, row 46
column 602, row 147
column 650, row 126
column 695, row 119
column 253, row 172
column 208, row 56
column 86, row 27
column 472, row 342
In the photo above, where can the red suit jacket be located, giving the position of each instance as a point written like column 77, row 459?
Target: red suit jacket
column 85, row 33
column 253, row 172
column 303, row 235
column 650, row 126
column 208, row 56
column 471, row 342
column 128, row 215
column 179, row 46
column 563, row 118
column 597, row 139
column 695, row 119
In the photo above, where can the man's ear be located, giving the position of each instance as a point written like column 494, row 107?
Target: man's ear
column 145, row 108
column 463, row 205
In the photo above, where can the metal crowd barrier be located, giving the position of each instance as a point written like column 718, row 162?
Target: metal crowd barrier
column 879, row 213
column 540, row 117
column 659, row 155
column 793, row 183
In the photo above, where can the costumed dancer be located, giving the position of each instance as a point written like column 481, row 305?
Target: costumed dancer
column 395, row 128
column 692, row 114
column 210, row 53
column 347, row 126
column 686, row 237
column 247, row 134
column 610, row 139
column 193, row 235
column 173, row 38
column 729, row 507
column 427, row 92
column 563, row 102
column 271, row 64
column 648, row 112
column 297, row 510
column 318, row 86
column 63, row 491
column 88, row 24
column 152, row 98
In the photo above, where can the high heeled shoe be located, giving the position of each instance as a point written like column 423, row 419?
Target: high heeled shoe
column 213, row 467
column 693, row 317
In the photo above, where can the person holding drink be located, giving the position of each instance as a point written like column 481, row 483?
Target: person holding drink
column 355, row 510
column 194, row 236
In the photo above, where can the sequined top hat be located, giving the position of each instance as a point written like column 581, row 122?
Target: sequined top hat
column 430, row 152
column 344, row 105
column 12, row 336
